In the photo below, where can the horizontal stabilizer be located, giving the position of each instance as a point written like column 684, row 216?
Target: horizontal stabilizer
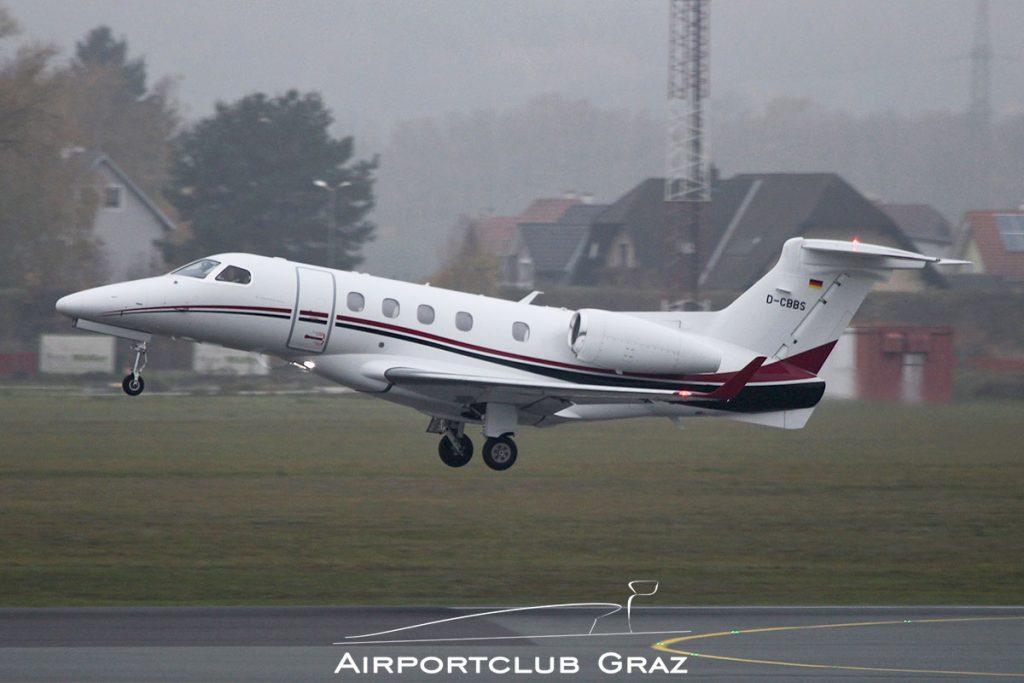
column 869, row 252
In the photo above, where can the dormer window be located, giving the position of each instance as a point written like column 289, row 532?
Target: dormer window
column 113, row 197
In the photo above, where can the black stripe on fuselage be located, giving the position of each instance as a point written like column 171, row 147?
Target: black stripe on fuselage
column 752, row 399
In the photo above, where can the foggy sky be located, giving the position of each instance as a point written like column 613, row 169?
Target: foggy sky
column 388, row 60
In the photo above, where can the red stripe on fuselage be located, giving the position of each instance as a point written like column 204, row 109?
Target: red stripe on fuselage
column 779, row 371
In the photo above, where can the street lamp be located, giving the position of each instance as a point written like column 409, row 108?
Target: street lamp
column 332, row 225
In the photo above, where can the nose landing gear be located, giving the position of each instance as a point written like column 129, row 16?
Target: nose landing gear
column 132, row 383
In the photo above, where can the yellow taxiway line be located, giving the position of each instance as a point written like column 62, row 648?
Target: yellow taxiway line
column 664, row 646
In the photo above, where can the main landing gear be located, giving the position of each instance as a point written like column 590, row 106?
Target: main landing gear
column 456, row 448
column 500, row 452
column 132, row 383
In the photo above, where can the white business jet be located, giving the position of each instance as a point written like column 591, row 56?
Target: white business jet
column 464, row 358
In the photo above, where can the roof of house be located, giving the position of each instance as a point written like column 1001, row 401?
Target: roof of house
column 553, row 247
column 582, row 214
column 751, row 215
column 999, row 236
column 642, row 208
column 546, row 210
column 920, row 222
column 94, row 159
column 496, row 235
column 754, row 218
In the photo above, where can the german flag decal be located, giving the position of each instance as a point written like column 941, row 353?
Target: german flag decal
column 814, row 284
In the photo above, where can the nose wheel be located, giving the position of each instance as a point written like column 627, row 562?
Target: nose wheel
column 133, row 383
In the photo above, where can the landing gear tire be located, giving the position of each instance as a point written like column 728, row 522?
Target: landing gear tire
column 132, row 385
column 500, row 453
column 455, row 454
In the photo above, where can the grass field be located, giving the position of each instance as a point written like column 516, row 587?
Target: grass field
column 342, row 500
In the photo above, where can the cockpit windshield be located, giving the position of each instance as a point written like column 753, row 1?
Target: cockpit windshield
column 198, row 269
column 240, row 276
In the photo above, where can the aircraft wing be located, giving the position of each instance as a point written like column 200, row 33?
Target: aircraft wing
column 470, row 389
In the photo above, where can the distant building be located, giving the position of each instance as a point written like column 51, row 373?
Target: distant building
column 546, row 254
column 994, row 243
column 500, row 237
column 128, row 223
column 496, row 235
column 910, row 364
column 751, row 216
column 925, row 226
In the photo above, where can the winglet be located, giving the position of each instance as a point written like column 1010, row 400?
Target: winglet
column 730, row 389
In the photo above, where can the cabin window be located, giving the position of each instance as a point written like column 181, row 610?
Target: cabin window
column 198, row 269
column 239, row 276
column 464, row 321
column 425, row 314
column 356, row 301
column 389, row 307
column 113, row 197
column 520, row 331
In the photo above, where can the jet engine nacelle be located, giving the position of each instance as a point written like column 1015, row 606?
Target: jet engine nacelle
column 629, row 344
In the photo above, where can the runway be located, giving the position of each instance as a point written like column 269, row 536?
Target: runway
column 594, row 642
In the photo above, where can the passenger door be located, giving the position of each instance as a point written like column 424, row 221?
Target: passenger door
column 314, row 310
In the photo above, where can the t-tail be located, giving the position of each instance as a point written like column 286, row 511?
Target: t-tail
column 799, row 309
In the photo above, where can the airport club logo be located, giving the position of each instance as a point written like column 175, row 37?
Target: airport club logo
column 609, row 662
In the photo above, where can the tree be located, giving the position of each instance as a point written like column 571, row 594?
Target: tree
column 45, row 227
column 99, row 49
column 243, row 180
column 467, row 268
column 116, row 112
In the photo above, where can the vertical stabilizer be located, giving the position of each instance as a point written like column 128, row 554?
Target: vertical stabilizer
column 802, row 305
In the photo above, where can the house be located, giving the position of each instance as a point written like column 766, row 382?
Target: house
column 495, row 235
column 127, row 223
column 994, row 243
column 751, row 216
column 546, row 254
column 499, row 236
column 924, row 225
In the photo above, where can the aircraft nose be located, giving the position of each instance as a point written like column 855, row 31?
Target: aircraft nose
column 90, row 303
column 72, row 305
